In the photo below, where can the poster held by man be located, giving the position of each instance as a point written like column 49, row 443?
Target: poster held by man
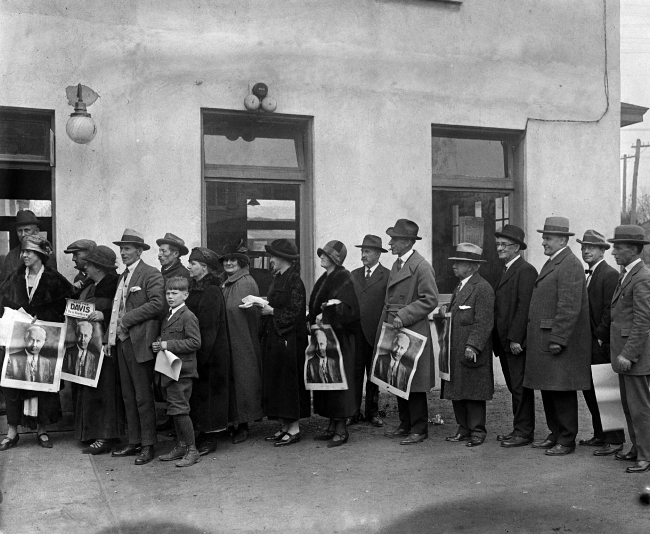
column 324, row 369
column 441, row 336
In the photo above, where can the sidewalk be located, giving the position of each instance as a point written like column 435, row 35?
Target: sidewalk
column 372, row 484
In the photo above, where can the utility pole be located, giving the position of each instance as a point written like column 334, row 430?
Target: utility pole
column 624, row 203
column 637, row 157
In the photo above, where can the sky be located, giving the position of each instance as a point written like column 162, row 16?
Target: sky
column 635, row 83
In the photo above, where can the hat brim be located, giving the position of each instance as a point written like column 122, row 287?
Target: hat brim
column 391, row 233
column 112, row 267
column 236, row 255
column 280, row 254
column 320, row 252
column 73, row 250
column 522, row 245
column 182, row 249
column 555, row 232
column 598, row 244
column 143, row 246
column 467, row 259
column 371, row 246
column 630, row 241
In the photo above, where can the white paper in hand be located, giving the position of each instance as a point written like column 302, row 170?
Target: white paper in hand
column 252, row 300
column 7, row 323
column 168, row 364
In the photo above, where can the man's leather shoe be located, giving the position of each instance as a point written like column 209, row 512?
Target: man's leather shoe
column 593, row 442
column 560, row 450
column 207, row 447
column 628, row 456
column 640, row 466
column 608, row 450
column 398, row 433
column 457, row 437
column 413, row 439
column 544, row 444
column 129, row 450
column 146, row 455
column 516, row 441
column 475, row 441
column 375, row 421
column 505, row 437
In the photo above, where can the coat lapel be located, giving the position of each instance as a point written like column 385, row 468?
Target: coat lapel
column 175, row 317
column 549, row 266
column 135, row 279
column 509, row 273
column 375, row 277
column 407, row 269
column 465, row 293
column 620, row 287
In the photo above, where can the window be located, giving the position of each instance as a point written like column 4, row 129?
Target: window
column 256, row 185
column 474, row 182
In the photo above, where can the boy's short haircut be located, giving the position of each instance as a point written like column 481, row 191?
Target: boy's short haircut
column 178, row 283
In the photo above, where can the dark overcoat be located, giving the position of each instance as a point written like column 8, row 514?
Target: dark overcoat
column 177, row 269
column 472, row 319
column 246, row 361
column 344, row 320
column 559, row 313
column 412, row 294
column 284, row 341
column 210, row 395
column 371, row 294
column 630, row 325
column 600, row 292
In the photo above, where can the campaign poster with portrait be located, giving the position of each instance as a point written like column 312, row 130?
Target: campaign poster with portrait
column 441, row 337
column 324, row 361
column 84, row 353
column 396, row 359
column 34, row 355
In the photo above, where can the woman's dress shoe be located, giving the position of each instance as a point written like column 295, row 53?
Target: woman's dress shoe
column 9, row 443
column 290, row 440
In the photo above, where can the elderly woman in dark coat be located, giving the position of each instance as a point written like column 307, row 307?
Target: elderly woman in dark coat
column 284, row 340
column 99, row 412
column 243, row 332
column 41, row 292
column 334, row 302
column 209, row 402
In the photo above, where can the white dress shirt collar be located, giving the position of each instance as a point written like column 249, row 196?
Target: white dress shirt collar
column 404, row 257
column 509, row 264
column 555, row 255
column 174, row 310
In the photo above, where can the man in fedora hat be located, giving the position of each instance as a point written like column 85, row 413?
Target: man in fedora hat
column 558, row 340
column 601, row 283
column 170, row 250
column 630, row 349
column 26, row 224
column 138, row 304
column 370, row 285
column 79, row 250
column 411, row 295
column 512, row 296
column 471, row 381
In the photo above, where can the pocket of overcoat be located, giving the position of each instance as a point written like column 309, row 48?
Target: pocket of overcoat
column 546, row 325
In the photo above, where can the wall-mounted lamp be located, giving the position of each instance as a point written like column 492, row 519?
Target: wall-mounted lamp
column 81, row 128
column 259, row 98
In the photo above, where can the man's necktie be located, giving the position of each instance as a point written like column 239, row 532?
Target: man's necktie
column 169, row 315
column 399, row 263
column 368, row 274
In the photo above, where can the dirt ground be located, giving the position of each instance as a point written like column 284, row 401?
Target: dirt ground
column 370, row 485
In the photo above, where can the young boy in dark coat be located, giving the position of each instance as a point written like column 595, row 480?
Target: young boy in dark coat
column 180, row 335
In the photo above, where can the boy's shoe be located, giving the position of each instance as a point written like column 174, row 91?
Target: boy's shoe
column 192, row 457
column 176, row 453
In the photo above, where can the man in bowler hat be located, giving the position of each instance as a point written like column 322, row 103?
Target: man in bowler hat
column 558, row 340
column 134, row 326
column 601, row 283
column 170, row 250
column 513, row 292
column 411, row 295
column 370, row 284
column 630, row 348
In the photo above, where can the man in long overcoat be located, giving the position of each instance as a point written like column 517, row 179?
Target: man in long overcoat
column 471, row 380
column 630, row 348
column 558, row 362
column 411, row 295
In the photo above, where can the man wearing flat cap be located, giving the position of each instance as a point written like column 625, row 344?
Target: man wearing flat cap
column 630, row 348
column 170, row 250
column 138, row 304
column 512, row 296
column 558, row 340
column 26, row 224
column 471, row 381
column 411, row 295
column 370, row 285
column 601, row 282
column 79, row 250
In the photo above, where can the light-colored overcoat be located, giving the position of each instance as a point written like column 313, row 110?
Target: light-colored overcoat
column 559, row 313
column 412, row 294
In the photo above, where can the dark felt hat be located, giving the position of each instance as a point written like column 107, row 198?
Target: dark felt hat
column 283, row 248
column 132, row 237
column 25, row 217
column 404, row 229
column 174, row 241
column 556, row 225
column 629, row 233
column 514, row 233
column 335, row 251
column 103, row 256
column 468, row 252
column 238, row 251
column 594, row 238
column 205, row 255
column 372, row 241
column 80, row 244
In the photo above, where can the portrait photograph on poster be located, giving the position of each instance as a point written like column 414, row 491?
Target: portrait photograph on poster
column 84, row 353
column 396, row 359
column 324, row 361
column 441, row 338
column 34, row 356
